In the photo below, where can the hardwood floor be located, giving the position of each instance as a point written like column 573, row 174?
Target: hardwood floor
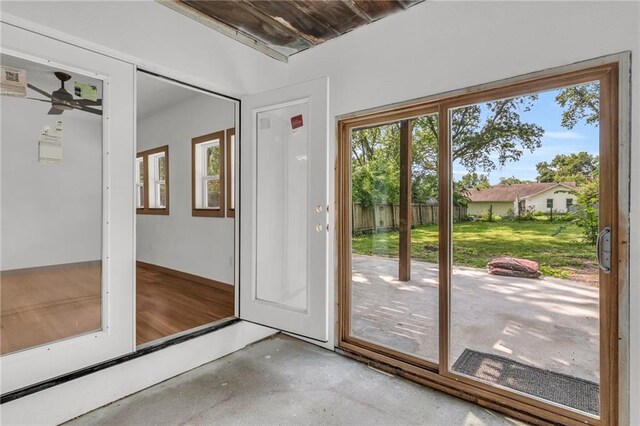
column 42, row 305
column 167, row 304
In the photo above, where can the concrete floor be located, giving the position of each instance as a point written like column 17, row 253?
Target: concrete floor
column 549, row 323
column 286, row 381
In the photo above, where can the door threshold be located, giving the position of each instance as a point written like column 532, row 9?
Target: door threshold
column 190, row 332
column 149, row 348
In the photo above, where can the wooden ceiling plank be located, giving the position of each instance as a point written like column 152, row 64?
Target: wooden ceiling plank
column 257, row 7
column 225, row 29
column 353, row 6
column 297, row 17
column 377, row 9
column 336, row 14
column 242, row 16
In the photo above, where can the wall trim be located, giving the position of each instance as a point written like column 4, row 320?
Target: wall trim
column 56, row 267
column 219, row 285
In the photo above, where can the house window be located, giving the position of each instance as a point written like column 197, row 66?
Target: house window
column 208, row 175
column 140, row 182
column 231, row 179
column 569, row 203
column 152, row 181
column 549, row 203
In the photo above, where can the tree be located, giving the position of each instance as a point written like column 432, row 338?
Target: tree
column 375, row 160
column 513, row 180
column 484, row 136
column 482, row 139
column 475, row 180
column 580, row 102
column 579, row 167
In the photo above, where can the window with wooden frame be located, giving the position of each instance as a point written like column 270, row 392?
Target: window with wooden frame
column 231, row 178
column 152, row 181
column 208, row 178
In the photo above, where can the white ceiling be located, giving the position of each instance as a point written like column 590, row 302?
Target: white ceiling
column 156, row 94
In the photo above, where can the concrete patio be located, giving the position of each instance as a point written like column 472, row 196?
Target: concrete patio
column 548, row 323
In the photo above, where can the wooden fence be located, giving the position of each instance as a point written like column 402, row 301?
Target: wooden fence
column 380, row 217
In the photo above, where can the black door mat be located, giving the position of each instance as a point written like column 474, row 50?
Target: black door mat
column 562, row 389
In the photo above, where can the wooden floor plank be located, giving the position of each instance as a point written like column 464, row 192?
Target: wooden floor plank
column 47, row 304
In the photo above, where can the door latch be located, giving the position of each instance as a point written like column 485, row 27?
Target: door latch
column 603, row 249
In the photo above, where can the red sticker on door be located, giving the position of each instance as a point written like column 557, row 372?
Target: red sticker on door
column 296, row 121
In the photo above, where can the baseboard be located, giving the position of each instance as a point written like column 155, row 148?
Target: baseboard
column 71, row 399
column 186, row 276
column 51, row 268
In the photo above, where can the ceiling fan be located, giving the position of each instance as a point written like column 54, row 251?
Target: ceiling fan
column 62, row 101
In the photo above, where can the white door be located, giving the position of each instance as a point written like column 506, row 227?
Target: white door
column 76, row 249
column 283, row 210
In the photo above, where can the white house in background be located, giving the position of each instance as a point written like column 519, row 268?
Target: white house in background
column 522, row 197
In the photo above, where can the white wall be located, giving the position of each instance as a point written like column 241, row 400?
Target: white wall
column 439, row 46
column 478, row 208
column 45, row 206
column 161, row 39
column 202, row 246
column 539, row 202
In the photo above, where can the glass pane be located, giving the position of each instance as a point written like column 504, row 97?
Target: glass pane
column 283, row 207
column 51, row 186
column 161, row 167
column 140, row 162
column 140, row 197
column 162, row 195
column 213, row 160
column 232, row 171
column 524, row 296
column 213, row 194
column 400, row 315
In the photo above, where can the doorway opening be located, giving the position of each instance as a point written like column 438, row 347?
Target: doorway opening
column 477, row 243
column 185, row 202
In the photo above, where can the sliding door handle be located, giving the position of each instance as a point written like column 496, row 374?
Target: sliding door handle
column 603, row 249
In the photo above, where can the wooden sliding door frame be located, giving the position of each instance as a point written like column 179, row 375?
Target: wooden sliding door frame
column 615, row 199
column 343, row 226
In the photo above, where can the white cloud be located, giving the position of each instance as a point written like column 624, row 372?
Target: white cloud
column 567, row 134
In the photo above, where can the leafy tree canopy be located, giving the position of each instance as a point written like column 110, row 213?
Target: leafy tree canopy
column 513, row 180
column 482, row 140
column 580, row 102
column 475, row 180
column 578, row 167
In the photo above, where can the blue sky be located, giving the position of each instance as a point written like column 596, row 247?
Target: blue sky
column 556, row 140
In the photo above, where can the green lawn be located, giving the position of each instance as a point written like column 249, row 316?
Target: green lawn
column 475, row 243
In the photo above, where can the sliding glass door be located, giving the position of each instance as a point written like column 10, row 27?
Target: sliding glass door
column 478, row 243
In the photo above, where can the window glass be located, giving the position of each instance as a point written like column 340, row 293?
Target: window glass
column 208, row 175
column 140, row 183
column 155, row 184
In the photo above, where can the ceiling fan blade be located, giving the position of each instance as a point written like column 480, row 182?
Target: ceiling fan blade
column 55, row 111
column 87, row 109
column 42, row 92
column 41, row 100
column 88, row 102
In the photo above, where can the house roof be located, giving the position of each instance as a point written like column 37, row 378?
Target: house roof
column 509, row 193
